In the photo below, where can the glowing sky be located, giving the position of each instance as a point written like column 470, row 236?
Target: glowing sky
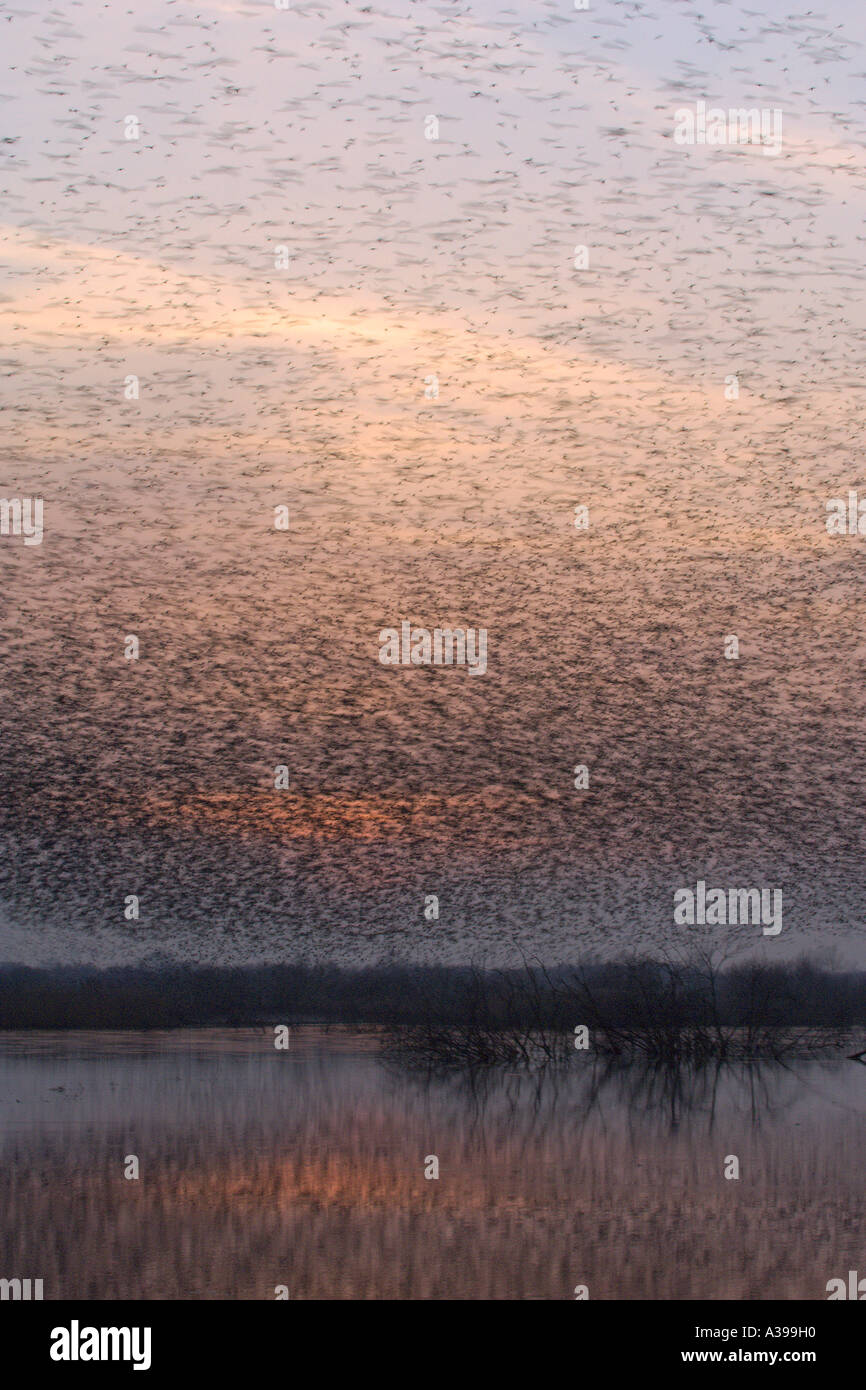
column 259, row 386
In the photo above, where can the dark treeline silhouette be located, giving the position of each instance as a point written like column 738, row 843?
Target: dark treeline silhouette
column 642, row 1005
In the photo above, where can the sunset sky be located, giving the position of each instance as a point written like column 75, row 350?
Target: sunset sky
column 605, row 387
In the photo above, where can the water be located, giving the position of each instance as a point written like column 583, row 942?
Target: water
column 305, row 1168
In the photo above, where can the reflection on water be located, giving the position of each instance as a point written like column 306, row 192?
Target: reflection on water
column 306, row 1168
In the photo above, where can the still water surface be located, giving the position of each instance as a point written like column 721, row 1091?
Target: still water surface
column 305, row 1168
